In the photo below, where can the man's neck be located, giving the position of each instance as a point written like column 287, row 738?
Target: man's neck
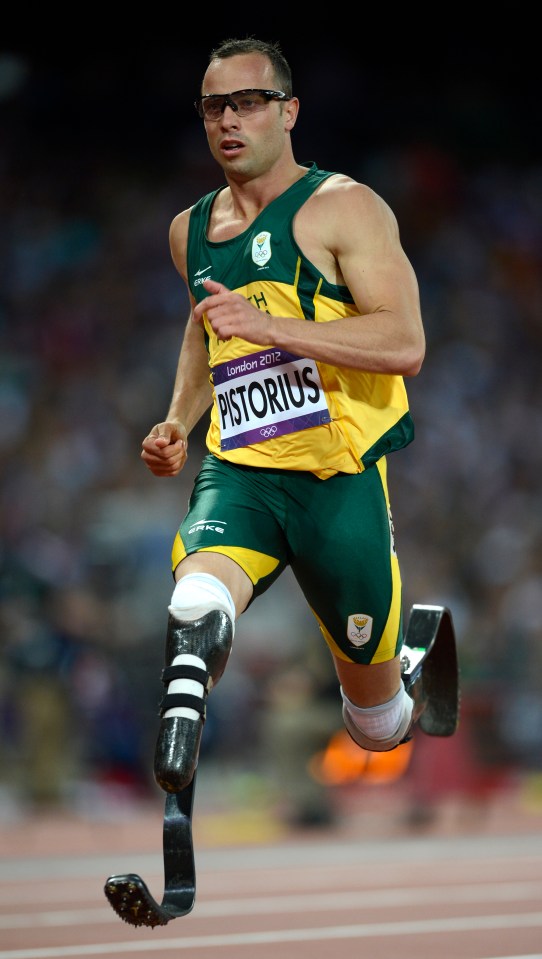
column 248, row 197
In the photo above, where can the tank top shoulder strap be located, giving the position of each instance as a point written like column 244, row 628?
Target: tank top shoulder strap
column 296, row 195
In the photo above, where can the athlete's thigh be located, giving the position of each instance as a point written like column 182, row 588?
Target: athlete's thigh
column 345, row 562
column 232, row 510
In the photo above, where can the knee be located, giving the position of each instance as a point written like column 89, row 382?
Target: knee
column 216, row 574
column 197, row 594
column 369, row 685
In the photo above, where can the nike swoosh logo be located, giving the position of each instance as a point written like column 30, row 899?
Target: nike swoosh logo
column 199, row 272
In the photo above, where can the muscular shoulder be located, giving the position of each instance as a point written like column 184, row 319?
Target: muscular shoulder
column 343, row 202
column 343, row 216
column 178, row 239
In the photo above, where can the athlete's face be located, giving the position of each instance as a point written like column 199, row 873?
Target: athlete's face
column 247, row 146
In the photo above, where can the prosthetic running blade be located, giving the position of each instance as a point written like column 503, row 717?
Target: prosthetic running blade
column 432, row 675
column 129, row 895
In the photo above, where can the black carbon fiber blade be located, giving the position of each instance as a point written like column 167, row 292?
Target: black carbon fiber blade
column 130, row 896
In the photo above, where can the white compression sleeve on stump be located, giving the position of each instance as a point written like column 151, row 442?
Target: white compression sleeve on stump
column 199, row 593
column 381, row 723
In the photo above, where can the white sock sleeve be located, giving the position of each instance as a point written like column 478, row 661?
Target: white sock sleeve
column 380, row 722
column 199, row 593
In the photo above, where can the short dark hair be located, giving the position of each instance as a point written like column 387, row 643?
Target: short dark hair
column 271, row 50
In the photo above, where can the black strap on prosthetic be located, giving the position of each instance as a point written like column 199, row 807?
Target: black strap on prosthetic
column 185, row 700
column 185, row 671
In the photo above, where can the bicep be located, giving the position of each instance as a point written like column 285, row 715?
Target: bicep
column 178, row 238
column 375, row 267
column 193, row 346
column 382, row 282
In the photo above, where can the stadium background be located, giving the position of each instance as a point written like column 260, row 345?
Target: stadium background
column 100, row 147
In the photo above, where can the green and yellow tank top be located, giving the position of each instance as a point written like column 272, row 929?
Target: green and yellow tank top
column 272, row 408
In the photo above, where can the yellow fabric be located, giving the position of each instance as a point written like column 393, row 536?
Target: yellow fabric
column 363, row 406
column 255, row 564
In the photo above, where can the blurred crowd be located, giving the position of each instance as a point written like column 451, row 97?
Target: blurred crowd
column 92, row 314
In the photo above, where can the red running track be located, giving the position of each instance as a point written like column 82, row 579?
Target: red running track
column 472, row 890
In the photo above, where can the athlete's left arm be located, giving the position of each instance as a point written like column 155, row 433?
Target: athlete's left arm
column 361, row 241
column 352, row 236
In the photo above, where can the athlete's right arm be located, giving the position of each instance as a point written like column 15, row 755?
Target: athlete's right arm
column 165, row 448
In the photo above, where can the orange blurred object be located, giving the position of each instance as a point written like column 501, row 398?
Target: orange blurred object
column 343, row 761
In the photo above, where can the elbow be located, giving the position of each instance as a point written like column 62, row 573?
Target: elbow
column 414, row 368
column 413, row 361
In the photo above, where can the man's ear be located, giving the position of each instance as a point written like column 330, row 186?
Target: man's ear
column 291, row 110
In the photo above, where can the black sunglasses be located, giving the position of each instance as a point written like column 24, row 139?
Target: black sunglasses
column 243, row 102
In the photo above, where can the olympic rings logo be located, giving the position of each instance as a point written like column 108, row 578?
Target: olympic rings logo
column 268, row 432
